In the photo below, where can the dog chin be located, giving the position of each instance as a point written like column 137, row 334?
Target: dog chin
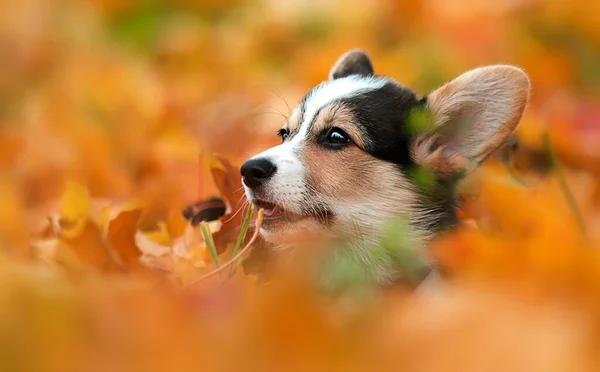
column 285, row 232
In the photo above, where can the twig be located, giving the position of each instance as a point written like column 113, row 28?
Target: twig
column 259, row 221
column 514, row 176
column 563, row 184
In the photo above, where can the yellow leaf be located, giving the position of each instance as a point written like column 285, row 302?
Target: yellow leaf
column 75, row 209
column 153, row 243
column 160, row 235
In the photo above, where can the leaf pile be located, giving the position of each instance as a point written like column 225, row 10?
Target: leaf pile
column 111, row 111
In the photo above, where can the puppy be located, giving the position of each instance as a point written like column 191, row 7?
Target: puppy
column 361, row 150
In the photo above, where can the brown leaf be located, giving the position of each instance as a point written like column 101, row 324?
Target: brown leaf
column 121, row 237
column 229, row 182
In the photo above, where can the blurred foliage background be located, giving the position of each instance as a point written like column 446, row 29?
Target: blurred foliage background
column 104, row 103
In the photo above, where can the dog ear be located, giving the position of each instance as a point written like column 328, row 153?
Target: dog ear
column 353, row 62
column 470, row 117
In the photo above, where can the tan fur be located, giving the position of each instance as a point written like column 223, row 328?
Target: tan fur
column 365, row 193
column 293, row 123
column 336, row 173
column 428, row 153
column 472, row 116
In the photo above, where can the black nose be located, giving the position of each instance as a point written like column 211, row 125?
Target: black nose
column 257, row 171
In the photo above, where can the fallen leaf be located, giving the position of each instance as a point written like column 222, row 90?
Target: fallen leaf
column 55, row 251
column 228, row 180
column 90, row 247
column 194, row 247
column 75, row 209
column 120, row 234
column 188, row 258
column 154, row 254
column 175, row 224
column 149, row 246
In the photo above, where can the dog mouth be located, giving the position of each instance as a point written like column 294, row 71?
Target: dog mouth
column 275, row 213
column 271, row 209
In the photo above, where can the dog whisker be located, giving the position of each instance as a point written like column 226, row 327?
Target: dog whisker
column 245, row 204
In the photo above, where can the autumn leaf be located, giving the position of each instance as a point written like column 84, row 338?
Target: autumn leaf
column 90, row 247
column 229, row 183
column 75, row 209
column 109, row 102
column 175, row 224
column 56, row 252
column 120, row 234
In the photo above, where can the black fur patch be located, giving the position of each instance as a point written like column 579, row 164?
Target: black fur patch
column 354, row 62
column 383, row 115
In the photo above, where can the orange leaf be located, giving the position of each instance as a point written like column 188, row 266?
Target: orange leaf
column 176, row 224
column 54, row 250
column 121, row 236
column 229, row 182
column 91, row 248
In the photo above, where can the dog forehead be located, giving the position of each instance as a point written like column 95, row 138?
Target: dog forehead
column 324, row 95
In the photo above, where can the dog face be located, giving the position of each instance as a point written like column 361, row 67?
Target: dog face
column 350, row 147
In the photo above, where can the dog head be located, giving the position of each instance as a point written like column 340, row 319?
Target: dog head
column 351, row 148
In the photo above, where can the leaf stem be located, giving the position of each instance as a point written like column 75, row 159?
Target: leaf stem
column 564, row 185
column 259, row 221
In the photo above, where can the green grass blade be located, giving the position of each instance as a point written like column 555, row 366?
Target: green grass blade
column 241, row 237
column 210, row 243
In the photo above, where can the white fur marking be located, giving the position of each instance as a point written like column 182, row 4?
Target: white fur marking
column 287, row 185
column 330, row 91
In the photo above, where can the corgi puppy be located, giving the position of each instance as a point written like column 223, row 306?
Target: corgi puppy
column 355, row 149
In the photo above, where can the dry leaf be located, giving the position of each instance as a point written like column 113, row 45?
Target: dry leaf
column 55, row 251
column 75, row 209
column 120, row 234
column 228, row 180
column 90, row 247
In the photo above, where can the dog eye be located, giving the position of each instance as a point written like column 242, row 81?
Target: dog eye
column 337, row 137
column 283, row 133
